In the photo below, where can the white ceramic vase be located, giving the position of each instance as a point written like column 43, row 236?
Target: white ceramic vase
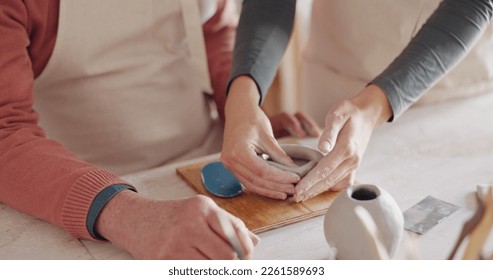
column 345, row 232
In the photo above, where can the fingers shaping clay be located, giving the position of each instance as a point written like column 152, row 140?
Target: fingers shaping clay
column 304, row 157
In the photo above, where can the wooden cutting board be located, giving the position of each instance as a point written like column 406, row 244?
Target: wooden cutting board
column 260, row 213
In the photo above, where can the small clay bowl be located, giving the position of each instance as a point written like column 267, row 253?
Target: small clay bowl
column 306, row 158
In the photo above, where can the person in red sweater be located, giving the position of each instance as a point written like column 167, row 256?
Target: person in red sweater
column 102, row 79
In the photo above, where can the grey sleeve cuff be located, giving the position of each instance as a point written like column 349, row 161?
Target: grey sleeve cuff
column 440, row 44
column 261, row 39
column 98, row 204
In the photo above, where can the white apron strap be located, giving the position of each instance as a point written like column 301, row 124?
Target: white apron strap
column 196, row 42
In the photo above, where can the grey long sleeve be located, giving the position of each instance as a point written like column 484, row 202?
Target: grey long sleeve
column 261, row 39
column 445, row 38
column 442, row 42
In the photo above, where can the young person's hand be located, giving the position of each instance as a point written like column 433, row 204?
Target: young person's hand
column 247, row 134
column 348, row 128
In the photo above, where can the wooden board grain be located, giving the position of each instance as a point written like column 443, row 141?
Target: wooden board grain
column 260, row 213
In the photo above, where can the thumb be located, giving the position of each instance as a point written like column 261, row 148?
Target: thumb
column 333, row 125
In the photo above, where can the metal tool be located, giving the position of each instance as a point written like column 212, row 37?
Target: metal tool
column 426, row 214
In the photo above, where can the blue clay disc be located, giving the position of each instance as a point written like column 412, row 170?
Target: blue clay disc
column 220, row 181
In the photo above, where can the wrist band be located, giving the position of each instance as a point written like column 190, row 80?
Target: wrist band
column 98, row 204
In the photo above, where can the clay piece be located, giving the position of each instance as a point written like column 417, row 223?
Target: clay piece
column 306, row 158
column 373, row 236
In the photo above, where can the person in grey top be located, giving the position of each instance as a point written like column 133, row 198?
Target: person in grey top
column 263, row 33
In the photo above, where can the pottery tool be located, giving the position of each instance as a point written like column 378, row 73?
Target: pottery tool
column 426, row 214
column 470, row 225
column 304, row 157
column 229, row 231
column 220, row 181
column 480, row 232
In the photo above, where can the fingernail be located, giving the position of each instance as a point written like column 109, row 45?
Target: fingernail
column 306, row 197
column 300, row 191
column 309, row 194
column 255, row 238
column 300, row 198
column 325, row 146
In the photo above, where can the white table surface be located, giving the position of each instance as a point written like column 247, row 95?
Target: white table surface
column 441, row 150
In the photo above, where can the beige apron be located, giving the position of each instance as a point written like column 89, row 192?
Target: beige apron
column 351, row 42
column 124, row 86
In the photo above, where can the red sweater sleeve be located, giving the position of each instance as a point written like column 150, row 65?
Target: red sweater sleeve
column 219, row 34
column 37, row 175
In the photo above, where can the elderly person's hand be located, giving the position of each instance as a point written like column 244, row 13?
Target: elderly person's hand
column 179, row 229
column 348, row 128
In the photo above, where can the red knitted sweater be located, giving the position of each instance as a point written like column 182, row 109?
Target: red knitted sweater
column 38, row 175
